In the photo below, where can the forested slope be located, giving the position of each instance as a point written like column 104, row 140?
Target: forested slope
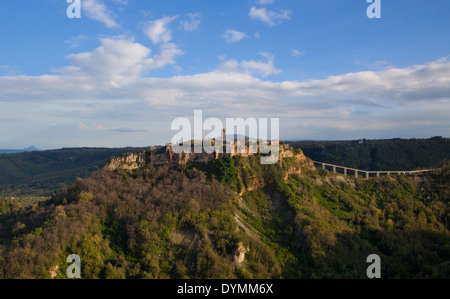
column 233, row 218
column 388, row 154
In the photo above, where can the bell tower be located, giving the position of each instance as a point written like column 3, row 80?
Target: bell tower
column 224, row 141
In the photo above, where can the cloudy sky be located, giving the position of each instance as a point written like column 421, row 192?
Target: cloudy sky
column 120, row 74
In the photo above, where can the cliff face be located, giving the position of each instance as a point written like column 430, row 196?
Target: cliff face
column 165, row 156
column 253, row 175
column 127, row 161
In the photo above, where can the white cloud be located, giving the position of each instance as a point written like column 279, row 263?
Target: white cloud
column 118, row 61
column 297, row 52
column 99, row 127
column 259, row 68
column 192, row 23
column 125, row 61
column 75, row 41
column 264, row 2
column 167, row 56
column 97, row 10
column 232, row 36
column 414, row 100
column 121, row 2
column 269, row 17
column 82, row 126
column 157, row 30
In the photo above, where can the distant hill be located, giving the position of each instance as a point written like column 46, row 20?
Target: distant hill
column 16, row 151
column 382, row 154
column 48, row 169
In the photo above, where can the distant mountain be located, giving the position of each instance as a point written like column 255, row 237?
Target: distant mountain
column 31, row 148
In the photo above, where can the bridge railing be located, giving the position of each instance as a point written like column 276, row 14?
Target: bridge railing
column 368, row 173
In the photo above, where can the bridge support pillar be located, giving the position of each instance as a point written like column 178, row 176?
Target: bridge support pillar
column 367, row 175
column 334, row 169
column 378, row 174
column 345, row 171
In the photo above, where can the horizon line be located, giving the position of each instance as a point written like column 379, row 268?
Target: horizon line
column 283, row 140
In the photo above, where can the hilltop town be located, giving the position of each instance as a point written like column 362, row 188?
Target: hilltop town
column 166, row 156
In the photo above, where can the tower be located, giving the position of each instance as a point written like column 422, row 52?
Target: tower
column 224, row 141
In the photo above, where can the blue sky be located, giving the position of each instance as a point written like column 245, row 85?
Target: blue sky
column 120, row 74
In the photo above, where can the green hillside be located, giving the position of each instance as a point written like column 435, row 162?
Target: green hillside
column 233, row 218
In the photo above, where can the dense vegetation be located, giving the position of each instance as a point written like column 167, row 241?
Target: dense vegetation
column 389, row 154
column 43, row 172
column 151, row 224
column 193, row 221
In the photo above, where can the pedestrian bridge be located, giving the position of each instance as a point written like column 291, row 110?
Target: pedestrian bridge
column 365, row 173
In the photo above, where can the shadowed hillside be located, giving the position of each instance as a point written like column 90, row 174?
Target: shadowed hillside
column 389, row 154
column 44, row 171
